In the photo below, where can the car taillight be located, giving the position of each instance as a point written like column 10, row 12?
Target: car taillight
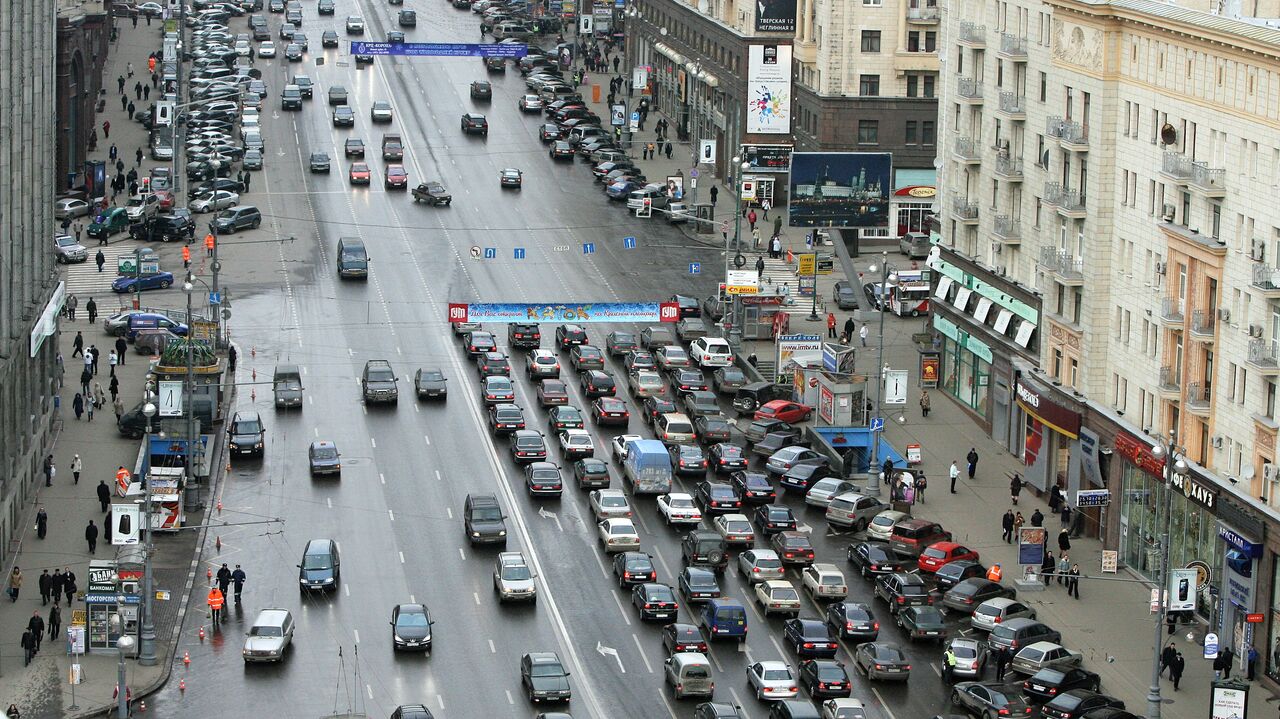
column 902, row 600
column 848, row 626
column 876, row 626
column 995, row 620
column 808, row 645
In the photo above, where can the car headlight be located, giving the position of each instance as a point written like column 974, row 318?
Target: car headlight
column 475, row 534
column 502, row 533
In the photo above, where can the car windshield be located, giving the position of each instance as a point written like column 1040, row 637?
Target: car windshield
column 486, row 514
column 516, row 572
column 411, row 619
column 247, row 427
column 326, row 453
column 546, row 670
column 432, row 376
column 381, row 375
column 266, row 630
column 315, row 561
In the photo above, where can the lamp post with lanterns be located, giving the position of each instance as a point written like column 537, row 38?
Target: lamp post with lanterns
column 1174, row 464
column 886, row 279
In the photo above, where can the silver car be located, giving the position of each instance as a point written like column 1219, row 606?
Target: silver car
column 512, row 578
column 269, row 638
column 787, row 457
column 881, row 526
column 69, row 208
column 1044, row 655
column 606, row 503
column 992, row 612
column 67, row 250
column 971, row 657
column 772, row 680
column 820, row 494
column 759, row 565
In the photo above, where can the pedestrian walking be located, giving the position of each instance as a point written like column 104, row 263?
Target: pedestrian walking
column 118, row 405
column 96, row 354
column 760, row 267
column 112, row 152
column 100, row 259
column 921, row 484
column 114, row 387
column 1002, row 663
column 1251, row 662
column 863, row 332
column 1037, row 519
column 751, row 218
column 120, row 84
column 42, row 523
column 215, row 602
column 55, row 621
column 208, row 245
column 77, row 406
column 972, row 458
column 1073, row 581
column 1064, row 540
column 1065, row 513
column 112, row 359
column 1167, row 656
column 146, row 89
column 71, row 304
column 91, row 536
column 49, row 471
column 1047, row 567
column 237, row 578
column 69, row 584
column 91, row 308
column 1171, row 624
column 76, row 467
column 129, row 70
column 85, row 378
column 1018, row 521
column 15, row 584
column 1015, row 488
column 1180, row 664
column 775, row 247
column 669, row 148
column 121, row 347
column 36, row 625
column 28, row 646
column 137, row 157
column 137, row 90
column 104, row 495
column 831, row 325
column 224, row 578
column 106, row 126
column 56, row 584
column 954, row 473
column 46, row 586
column 124, row 105
column 99, row 397
column 1006, row 522
column 1064, row 567
column 79, row 229
column 231, row 359
column 715, row 192
column 924, row 402
column 755, row 239
column 89, row 407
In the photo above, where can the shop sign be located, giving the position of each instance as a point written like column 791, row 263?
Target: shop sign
column 110, row 598
column 1093, row 497
column 1203, row 573
column 102, row 579
column 1200, row 494
column 826, row 404
column 1255, row 618
column 1110, row 561
column 1249, row 549
column 1139, row 453
column 1050, row 413
column 917, row 191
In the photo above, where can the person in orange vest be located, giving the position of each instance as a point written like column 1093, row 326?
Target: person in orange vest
column 151, row 64
column 215, row 604
column 993, row 574
column 122, row 480
column 186, row 256
column 208, row 244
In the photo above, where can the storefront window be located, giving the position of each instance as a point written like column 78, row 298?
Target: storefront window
column 1272, row 649
column 1192, row 530
column 964, row 375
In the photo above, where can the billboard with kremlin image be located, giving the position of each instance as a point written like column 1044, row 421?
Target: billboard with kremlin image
column 840, row 189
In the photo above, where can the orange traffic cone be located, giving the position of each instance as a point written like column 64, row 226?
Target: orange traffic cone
column 186, row 659
column 202, row 632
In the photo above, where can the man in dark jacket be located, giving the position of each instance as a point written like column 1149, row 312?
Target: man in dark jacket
column 28, row 646
column 91, row 536
column 46, row 586
column 104, row 495
column 122, row 347
column 1007, row 523
column 1167, row 656
column 1175, row 670
column 55, row 586
column 972, row 457
column 1037, row 519
column 36, row 626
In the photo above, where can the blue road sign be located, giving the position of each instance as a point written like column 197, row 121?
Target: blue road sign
column 588, row 248
column 215, row 298
column 695, row 268
column 519, row 253
column 439, row 49
column 629, row 243
column 877, row 424
column 490, row 253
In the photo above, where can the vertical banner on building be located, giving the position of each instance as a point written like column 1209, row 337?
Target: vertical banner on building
column 1182, row 590
column 895, row 387
column 769, row 89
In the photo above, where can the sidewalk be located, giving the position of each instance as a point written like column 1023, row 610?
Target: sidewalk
column 41, row 689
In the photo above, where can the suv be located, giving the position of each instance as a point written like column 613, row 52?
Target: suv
column 379, row 382
column 524, row 335
column 291, row 98
column 246, row 433
column 704, row 548
column 900, row 590
column 752, row 397
column 912, row 536
column 238, row 218
column 483, row 520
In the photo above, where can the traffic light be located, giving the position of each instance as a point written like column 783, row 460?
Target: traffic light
column 646, row 208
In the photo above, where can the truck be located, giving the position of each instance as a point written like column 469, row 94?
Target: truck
column 392, row 146
column 647, row 467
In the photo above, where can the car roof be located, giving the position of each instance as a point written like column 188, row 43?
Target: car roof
column 271, row 617
column 323, row 444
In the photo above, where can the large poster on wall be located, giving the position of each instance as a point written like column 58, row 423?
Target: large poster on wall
column 769, row 90
column 775, row 15
column 840, row 189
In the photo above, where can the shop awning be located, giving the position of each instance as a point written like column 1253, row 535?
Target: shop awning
column 664, row 50
column 962, row 298
column 944, row 286
column 980, row 312
column 1023, row 336
column 1002, row 321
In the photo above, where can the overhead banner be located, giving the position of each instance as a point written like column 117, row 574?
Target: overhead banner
column 840, row 189
column 775, row 15
column 769, row 89
column 564, row 312
column 439, row 49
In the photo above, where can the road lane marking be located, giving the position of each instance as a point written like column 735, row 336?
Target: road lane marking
column 774, row 641
column 643, row 658
column 476, row 596
column 450, row 511
column 611, row 652
column 412, row 600
column 357, row 633
column 510, row 699
column 737, row 700
column 883, row 704
column 427, row 438
column 346, row 590
column 462, row 554
column 440, row 701
column 391, row 514
column 373, row 442
column 438, row 477
column 621, row 611
column 329, row 501
column 369, row 690
column 401, row 557
column 492, row 649
column 382, row 478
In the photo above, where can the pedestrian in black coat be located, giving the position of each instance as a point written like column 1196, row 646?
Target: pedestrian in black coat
column 56, row 584
column 77, row 405
column 1175, row 670
column 1047, row 567
column 1167, row 656
column 1073, row 581
column 1007, row 523
column 100, row 259
column 1003, row 658
column 77, row 344
column 46, row 586
column 114, row 388
column 121, row 347
column 36, row 627
column 91, row 536
column 104, row 495
column 55, row 621
column 1064, row 513
column 1064, row 540
column 1037, row 519
column 42, row 523
column 69, row 583
column 972, row 457
column 28, row 646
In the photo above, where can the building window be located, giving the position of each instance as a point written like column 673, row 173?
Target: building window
column 1044, row 86
column 869, row 85
column 927, row 133
column 929, row 82
column 868, row 132
column 871, row 3
column 871, row 41
column 913, row 85
column 930, row 41
column 912, row 133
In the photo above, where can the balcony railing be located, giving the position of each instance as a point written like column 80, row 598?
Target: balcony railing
column 1009, row 166
column 1072, row 201
column 967, row 149
column 1197, row 396
column 1052, row 193
column 972, row 32
column 1171, row 309
column 1074, row 133
column 964, row 209
column 1176, row 165
column 922, row 13
column 1012, row 45
column 1208, row 179
column 970, row 88
column 1053, row 126
column 1013, row 103
column 1266, row 277
column 1069, row 266
column 1169, row 379
column 1202, row 322
column 1007, row 227
column 1262, row 352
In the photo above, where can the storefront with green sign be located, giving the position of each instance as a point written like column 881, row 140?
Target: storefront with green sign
column 966, row 365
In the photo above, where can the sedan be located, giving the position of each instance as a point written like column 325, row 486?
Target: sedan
column 563, row 417
column 632, row 568
column 787, row 457
column 725, row 457
column 549, row 132
column 561, row 150
column 753, row 487
column 777, row 596
column 822, row 491
column 590, row 472
column 575, row 443
column 772, row 680
column 618, row 344
column 711, row 428
column 698, row 584
column 355, row 25
column 688, row 459
column 217, row 200
column 544, row 678
column 654, row 406
column 853, row 620
column 1046, row 684
column 679, row 508
column 825, row 679
column 845, row 297
column 618, row 535
column 774, row 518
column 736, row 529
column 990, row 699
column 510, row 177
column 397, row 178
column 411, row 627
column 809, row 637
column 529, row 103
column 971, row 656
column 784, row 410
column 1044, row 655
column 609, row 503
column 794, row 548
column 542, row 479
column 610, row 410
column 497, row 389
column 882, row 661
column 874, row 559
column 718, row 497
column 293, row 52
column 1077, row 703
column 728, row 380
column 353, row 147
column 552, row 392
column 527, row 446
column 655, row 601
column 804, row 475
column 940, row 553
column 381, row 111
column 266, row 48
column 684, row 379
column 598, row 383
column 923, row 622
column 270, row 637
column 329, row 38
column 505, row 418
column 671, row 356
column 155, row 281
column 678, row 637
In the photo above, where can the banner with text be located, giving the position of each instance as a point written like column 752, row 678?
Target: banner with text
column 439, row 49
column 564, row 312
column 769, row 89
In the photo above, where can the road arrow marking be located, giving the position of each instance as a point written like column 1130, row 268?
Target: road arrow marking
column 542, row 512
column 804, row 528
column 611, row 652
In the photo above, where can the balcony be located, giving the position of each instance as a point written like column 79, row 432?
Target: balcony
column 964, row 210
column 1198, row 397
column 1266, row 279
column 923, row 15
column 1012, row 106
column 1171, row 312
column 1052, row 194
column 1074, row 136
column 1072, row 204
column 1053, row 126
column 1012, row 47
column 1203, row 325
column 1009, row 168
column 1170, row 384
column 973, row 35
column 1208, row 182
column 969, row 91
column 1007, row 230
column 967, row 151
column 1262, row 357
column 1067, row 269
column 1175, row 167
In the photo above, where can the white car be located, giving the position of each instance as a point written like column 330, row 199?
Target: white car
column 266, row 48
column 512, row 578
column 820, row 494
column 66, row 250
column 758, row 565
column 576, row 443
column 269, row 638
column 242, row 48
column 881, row 526
column 355, row 25
column 619, row 445
column 618, row 535
column 679, row 508
column 844, row 709
column 736, row 529
column 777, row 596
column 711, row 352
column 607, row 503
column 825, row 581
column 772, row 680
column 218, row 200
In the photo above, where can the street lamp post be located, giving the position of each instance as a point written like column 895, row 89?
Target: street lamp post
column 1173, row 464
column 735, row 327
column 873, row 480
column 147, row 645
column 125, row 645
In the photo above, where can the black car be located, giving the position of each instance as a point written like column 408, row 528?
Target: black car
column 717, row 498
column 407, row 18
column 632, row 568
column 753, row 487
column 803, row 475
column 728, row 380
column 563, row 417
column 544, row 678
column 598, row 383
column 610, row 410
column 591, row 473
column 704, row 548
column 524, row 335
column 825, row 679
column 809, row 638
column 688, row 459
column 684, row 379
column 990, row 699
column 474, row 123
column 901, row 590
column 493, row 364
column 698, row 584
column 652, row 407
column 853, row 620
column 875, row 559
column 165, row 228
column 793, row 548
column 1048, row 683
column 969, row 593
column 561, row 150
column 952, row 573
column 542, row 479
column 505, row 418
column 774, row 518
column 1076, row 703
column 620, row 343
column 528, row 446
column 678, row 637
column 344, row 116
column 585, row 357
column 411, row 627
column 483, row 520
column 246, row 435
column 773, row 442
column 712, row 428
column 758, row 429
column 481, row 90
column 430, row 383
column 569, row 335
column 655, row 601
column 353, row 147
column 724, row 457
column 689, row 306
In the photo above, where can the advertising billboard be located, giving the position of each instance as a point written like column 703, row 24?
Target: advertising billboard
column 840, row 189
column 579, row 312
column 775, row 15
column 439, row 49
column 803, row 350
column 767, row 158
column 769, row 89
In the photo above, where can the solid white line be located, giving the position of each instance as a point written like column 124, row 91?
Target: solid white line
column 621, row 611
column 737, row 700
column 462, row 554
column 883, row 704
column 440, row 701
column 401, row 557
column 438, row 477
column 346, row 590
column 391, row 514
column 412, row 600
column 776, row 645
column 643, row 658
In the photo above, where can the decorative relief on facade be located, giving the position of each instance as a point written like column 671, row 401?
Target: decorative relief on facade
column 1077, row 45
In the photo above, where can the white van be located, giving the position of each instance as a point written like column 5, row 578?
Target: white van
column 689, row 674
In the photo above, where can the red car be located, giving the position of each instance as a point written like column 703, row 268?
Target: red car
column 397, row 177
column 166, row 199
column 359, row 173
column 610, row 410
column 940, row 553
column 785, row 410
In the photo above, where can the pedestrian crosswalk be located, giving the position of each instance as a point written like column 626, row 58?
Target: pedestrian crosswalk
column 779, row 278
column 84, row 280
